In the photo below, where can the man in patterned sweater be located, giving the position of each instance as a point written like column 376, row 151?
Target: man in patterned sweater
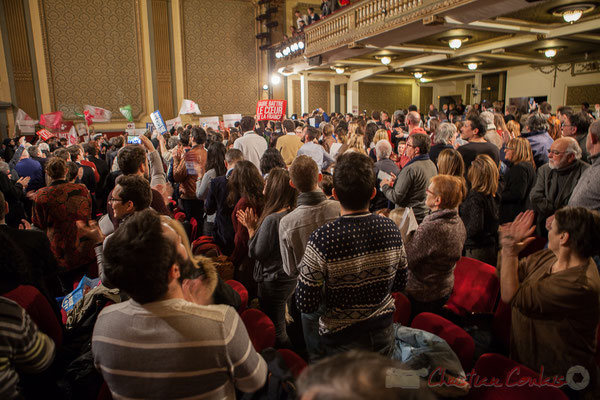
column 356, row 260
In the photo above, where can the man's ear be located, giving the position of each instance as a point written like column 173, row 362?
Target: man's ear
column 335, row 194
column 374, row 193
column 292, row 184
column 320, row 178
column 564, row 238
column 174, row 272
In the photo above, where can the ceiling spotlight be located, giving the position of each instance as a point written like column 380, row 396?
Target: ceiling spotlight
column 386, row 60
column 455, row 43
column 265, row 87
column 572, row 15
column 278, row 55
column 301, row 45
column 418, row 75
column 423, row 80
column 549, row 53
column 294, row 47
column 572, row 12
column 472, row 66
column 340, row 70
column 275, row 79
column 286, row 51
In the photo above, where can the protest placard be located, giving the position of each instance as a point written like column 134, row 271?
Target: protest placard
column 209, row 122
column 159, row 122
column 271, row 110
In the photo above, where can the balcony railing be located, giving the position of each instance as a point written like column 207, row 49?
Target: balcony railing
column 368, row 18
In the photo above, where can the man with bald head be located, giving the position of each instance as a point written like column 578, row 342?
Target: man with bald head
column 557, row 179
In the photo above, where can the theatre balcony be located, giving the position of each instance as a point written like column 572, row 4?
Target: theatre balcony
column 449, row 38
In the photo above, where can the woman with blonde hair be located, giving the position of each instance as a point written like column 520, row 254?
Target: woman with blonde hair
column 356, row 143
column 501, row 128
column 200, row 276
column 436, row 246
column 450, row 162
column 519, row 179
column 479, row 211
column 381, row 134
column 353, row 128
column 513, row 128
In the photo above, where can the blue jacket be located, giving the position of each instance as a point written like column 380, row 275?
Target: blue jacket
column 540, row 143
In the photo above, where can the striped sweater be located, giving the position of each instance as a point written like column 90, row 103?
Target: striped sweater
column 22, row 347
column 356, row 260
column 174, row 349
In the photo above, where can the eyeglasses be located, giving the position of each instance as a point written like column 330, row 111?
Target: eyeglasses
column 556, row 152
column 114, row 200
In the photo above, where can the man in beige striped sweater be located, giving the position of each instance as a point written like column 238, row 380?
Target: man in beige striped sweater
column 158, row 344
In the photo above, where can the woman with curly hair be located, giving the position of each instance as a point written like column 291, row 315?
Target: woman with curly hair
column 245, row 191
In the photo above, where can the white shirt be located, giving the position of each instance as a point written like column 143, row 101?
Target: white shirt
column 252, row 146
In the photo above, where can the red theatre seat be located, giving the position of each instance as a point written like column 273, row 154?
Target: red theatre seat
column 260, row 329
column 179, row 216
column 38, row 309
column 242, row 291
column 505, row 374
column 476, row 287
column 194, row 225
column 456, row 337
column 294, row 362
column 402, row 313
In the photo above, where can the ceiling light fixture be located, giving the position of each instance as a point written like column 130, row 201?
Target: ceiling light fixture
column 572, row 15
column 423, row 80
column 573, row 12
column 301, row 45
column 418, row 75
column 278, row 55
column 550, row 53
column 340, row 70
column 472, row 66
column 386, row 60
column 265, row 87
column 286, row 51
column 455, row 43
column 275, row 79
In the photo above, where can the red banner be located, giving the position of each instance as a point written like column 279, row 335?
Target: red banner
column 271, row 110
column 45, row 134
column 51, row 120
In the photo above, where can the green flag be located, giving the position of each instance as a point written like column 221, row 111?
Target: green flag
column 127, row 113
column 79, row 115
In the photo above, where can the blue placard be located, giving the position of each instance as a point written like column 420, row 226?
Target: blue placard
column 149, row 126
column 159, row 122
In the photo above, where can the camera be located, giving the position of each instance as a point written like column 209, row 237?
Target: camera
column 133, row 139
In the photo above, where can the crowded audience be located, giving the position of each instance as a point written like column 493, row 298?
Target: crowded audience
column 152, row 259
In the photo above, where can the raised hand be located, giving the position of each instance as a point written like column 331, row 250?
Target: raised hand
column 516, row 235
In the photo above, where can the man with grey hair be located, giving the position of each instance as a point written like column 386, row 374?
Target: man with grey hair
column 443, row 139
column 587, row 192
column 490, row 129
column 536, row 132
column 384, row 167
column 556, row 180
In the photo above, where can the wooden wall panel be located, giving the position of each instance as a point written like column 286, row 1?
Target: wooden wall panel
column 318, row 95
column 162, row 57
column 296, row 88
column 20, row 57
column 579, row 94
column 94, row 55
column 221, row 69
column 383, row 97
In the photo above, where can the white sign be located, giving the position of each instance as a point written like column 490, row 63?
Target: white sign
column 159, row 122
column 174, row 123
column 130, row 128
column 209, row 122
column 189, row 107
column 230, row 119
column 81, row 129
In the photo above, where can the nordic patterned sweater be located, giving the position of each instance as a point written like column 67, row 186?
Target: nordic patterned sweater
column 354, row 263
